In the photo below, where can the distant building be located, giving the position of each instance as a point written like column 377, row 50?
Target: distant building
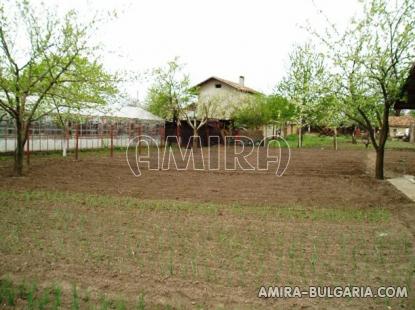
column 400, row 126
column 94, row 128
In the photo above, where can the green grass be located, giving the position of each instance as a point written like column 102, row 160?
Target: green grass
column 23, row 296
column 315, row 141
column 282, row 212
column 186, row 246
column 343, row 141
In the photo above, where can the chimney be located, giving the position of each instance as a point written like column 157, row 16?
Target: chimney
column 242, row 80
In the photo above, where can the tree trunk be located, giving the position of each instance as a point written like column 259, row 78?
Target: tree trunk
column 380, row 150
column 300, row 137
column 222, row 135
column 380, row 155
column 178, row 134
column 195, row 138
column 335, row 138
column 21, row 135
column 354, row 141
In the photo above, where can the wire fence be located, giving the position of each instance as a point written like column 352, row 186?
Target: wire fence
column 48, row 137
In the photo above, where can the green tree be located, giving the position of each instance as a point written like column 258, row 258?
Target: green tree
column 170, row 91
column 252, row 112
column 259, row 110
column 50, row 68
column 279, row 111
column 329, row 114
column 302, row 83
column 371, row 60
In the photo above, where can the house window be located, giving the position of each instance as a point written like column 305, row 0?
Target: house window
column 218, row 85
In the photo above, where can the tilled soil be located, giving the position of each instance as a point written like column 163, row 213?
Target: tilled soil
column 215, row 259
column 313, row 177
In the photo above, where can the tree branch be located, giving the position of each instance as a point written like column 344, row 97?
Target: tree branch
column 51, row 84
column 7, row 51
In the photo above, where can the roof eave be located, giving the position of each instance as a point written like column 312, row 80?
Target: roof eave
column 230, row 84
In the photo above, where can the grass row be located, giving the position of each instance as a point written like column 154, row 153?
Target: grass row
column 343, row 141
column 31, row 297
column 230, row 249
column 282, row 212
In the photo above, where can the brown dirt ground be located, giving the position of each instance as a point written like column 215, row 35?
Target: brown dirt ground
column 314, row 179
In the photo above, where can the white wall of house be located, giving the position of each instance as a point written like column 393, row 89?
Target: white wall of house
column 398, row 132
column 226, row 98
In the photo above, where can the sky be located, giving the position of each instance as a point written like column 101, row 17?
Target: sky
column 224, row 38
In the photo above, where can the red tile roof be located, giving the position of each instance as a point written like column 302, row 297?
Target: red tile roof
column 404, row 121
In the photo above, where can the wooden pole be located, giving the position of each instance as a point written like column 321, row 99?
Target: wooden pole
column 179, row 135
column 335, row 138
column 67, row 138
column 139, row 142
column 77, row 142
column 300, row 136
column 207, row 134
column 28, row 147
column 40, row 137
column 112, row 140
column 64, row 144
column 161, row 137
column 7, row 134
column 129, row 130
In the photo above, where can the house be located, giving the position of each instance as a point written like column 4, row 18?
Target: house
column 230, row 96
column 221, row 98
column 400, row 126
column 225, row 95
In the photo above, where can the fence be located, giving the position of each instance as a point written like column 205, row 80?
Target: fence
column 47, row 137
